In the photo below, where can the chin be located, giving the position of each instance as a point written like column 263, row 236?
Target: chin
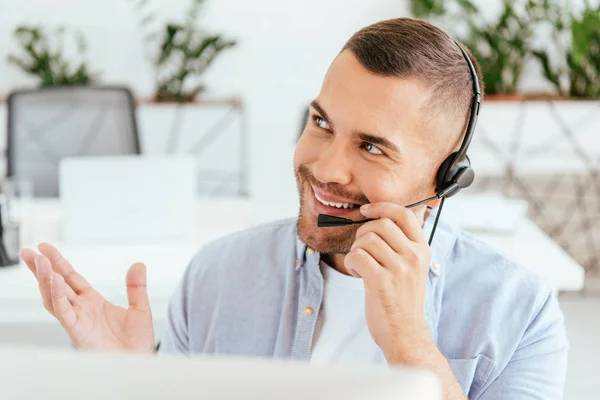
column 324, row 240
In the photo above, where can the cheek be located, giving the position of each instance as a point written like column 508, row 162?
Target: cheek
column 299, row 153
column 305, row 150
column 380, row 186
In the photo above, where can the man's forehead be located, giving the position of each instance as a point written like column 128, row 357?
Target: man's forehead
column 351, row 89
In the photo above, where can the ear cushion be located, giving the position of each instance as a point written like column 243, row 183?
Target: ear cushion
column 447, row 175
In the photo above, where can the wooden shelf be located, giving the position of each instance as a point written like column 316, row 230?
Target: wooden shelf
column 225, row 101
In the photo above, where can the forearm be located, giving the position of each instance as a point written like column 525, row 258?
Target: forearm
column 425, row 354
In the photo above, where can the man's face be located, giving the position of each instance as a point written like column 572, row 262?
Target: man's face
column 365, row 142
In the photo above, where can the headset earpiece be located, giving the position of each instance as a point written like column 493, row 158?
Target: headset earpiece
column 454, row 172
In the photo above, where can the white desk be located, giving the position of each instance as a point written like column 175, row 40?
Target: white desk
column 532, row 248
column 105, row 266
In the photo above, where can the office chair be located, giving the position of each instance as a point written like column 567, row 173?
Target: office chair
column 47, row 124
column 303, row 121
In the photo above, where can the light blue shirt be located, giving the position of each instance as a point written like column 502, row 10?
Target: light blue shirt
column 499, row 326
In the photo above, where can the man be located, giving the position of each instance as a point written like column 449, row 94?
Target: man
column 393, row 105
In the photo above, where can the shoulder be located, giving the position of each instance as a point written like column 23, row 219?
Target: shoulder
column 251, row 240
column 501, row 320
column 260, row 245
column 477, row 262
column 499, row 300
column 468, row 262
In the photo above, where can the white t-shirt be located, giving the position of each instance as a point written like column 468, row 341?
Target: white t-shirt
column 341, row 333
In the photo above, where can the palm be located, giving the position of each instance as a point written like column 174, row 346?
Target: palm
column 101, row 324
column 87, row 317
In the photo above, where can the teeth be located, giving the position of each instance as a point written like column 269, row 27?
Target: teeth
column 336, row 205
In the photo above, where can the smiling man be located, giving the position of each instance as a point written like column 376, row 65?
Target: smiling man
column 394, row 104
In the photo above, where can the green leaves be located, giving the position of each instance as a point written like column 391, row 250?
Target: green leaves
column 185, row 53
column 580, row 64
column 427, row 8
column 49, row 65
column 584, row 58
column 468, row 6
column 437, row 8
column 502, row 46
column 181, row 51
column 550, row 73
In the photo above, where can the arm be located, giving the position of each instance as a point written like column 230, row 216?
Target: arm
column 423, row 353
column 537, row 369
column 392, row 257
column 175, row 336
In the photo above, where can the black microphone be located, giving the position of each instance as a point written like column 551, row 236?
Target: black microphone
column 325, row 221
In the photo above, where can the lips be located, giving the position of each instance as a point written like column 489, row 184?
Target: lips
column 324, row 203
column 332, row 204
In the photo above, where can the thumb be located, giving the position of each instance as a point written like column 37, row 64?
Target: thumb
column 136, row 288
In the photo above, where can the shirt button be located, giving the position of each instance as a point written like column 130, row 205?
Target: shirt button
column 436, row 267
column 308, row 311
column 297, row 262
column 310, row 251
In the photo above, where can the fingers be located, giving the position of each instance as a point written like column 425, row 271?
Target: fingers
column 28, row 257
column 44, row 277
column 404, row 218
column 366, row 267
column 137, row 293
column 63, row 309
column 381, row 251
column 77, row 282
column 386, row 229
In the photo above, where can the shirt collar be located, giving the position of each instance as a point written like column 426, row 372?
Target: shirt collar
column 444, row 239
column 301, row 253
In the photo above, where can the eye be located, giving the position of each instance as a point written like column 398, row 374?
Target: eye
column 372, row 149
column 320, row 122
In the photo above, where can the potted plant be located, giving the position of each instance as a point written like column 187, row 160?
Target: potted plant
column 577, row 72
column 178, row 118
column 43, row 56
column 180, row 51
column 501, row 45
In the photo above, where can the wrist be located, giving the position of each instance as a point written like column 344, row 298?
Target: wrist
column 413, row 350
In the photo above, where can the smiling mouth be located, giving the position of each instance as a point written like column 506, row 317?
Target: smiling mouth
column 347, row 206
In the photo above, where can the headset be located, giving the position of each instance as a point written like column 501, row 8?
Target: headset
column 455, row 172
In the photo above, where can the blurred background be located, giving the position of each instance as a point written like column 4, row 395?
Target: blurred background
column 137, row 130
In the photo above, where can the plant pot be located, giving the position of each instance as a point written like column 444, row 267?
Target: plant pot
column 503, row 97
column 172, row 99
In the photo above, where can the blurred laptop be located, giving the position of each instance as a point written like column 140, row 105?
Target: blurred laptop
column 127, row 199
column 74, row 375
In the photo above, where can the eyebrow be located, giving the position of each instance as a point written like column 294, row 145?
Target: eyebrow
column 320, row 110
column 376, row 140
column 379, row 141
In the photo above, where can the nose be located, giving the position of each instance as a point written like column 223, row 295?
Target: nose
column 333, row 165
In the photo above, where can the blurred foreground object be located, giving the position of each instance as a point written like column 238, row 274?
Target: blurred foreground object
column 54, row 374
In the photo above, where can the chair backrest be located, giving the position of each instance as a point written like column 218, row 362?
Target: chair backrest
column 48, row 124
column 303, row 121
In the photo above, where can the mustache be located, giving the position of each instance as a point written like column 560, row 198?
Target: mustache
column 305, row 174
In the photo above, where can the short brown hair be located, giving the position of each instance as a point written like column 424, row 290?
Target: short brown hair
column 413, row 48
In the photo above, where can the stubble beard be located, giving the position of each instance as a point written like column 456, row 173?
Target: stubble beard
column 326, row 240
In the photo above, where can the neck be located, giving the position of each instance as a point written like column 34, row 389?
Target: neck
column 336, row 260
